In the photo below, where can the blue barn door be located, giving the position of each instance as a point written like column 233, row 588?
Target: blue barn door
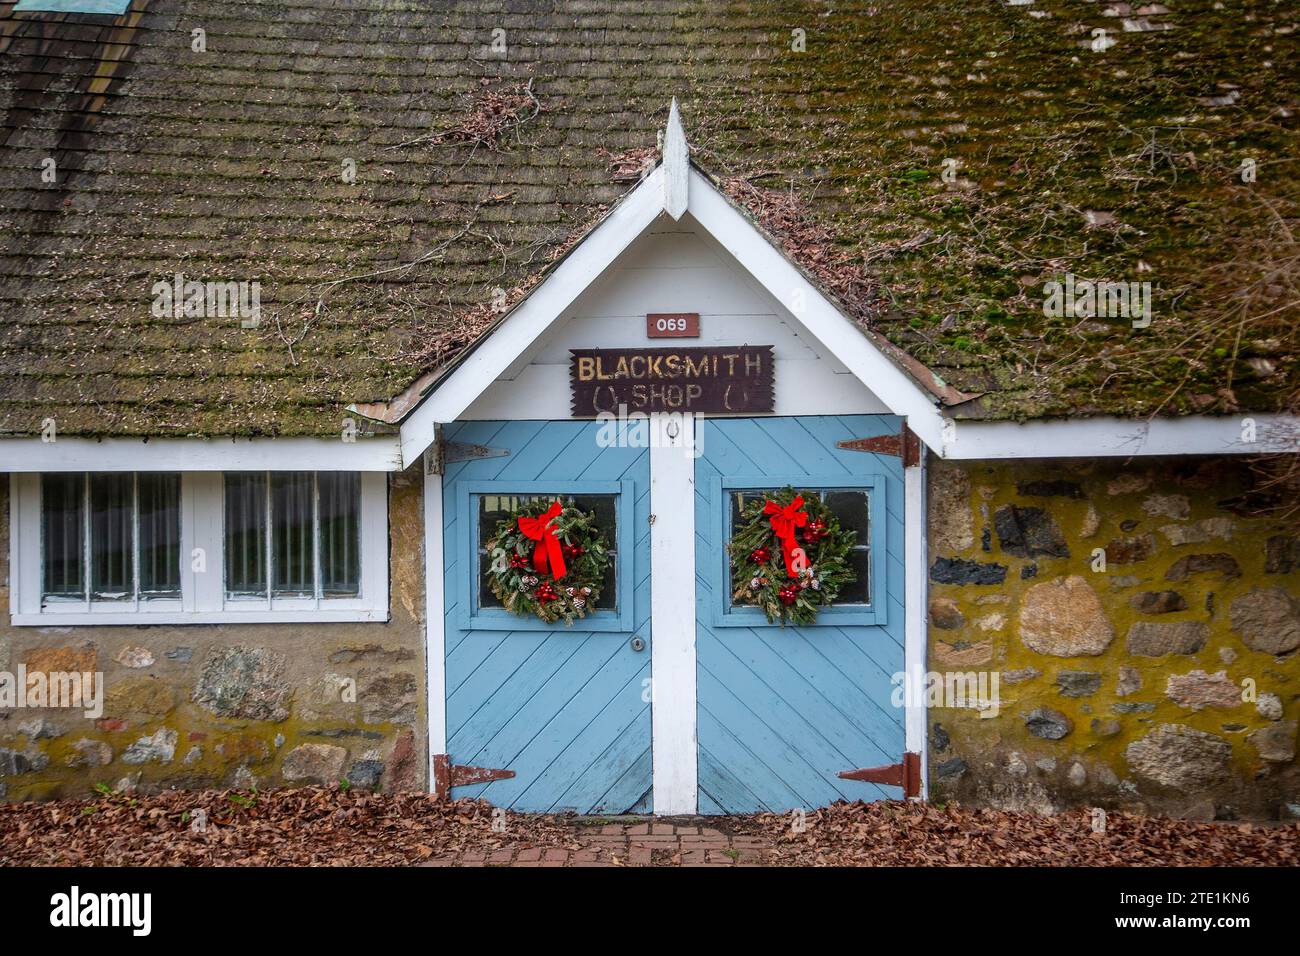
column 563, row 708
column 782, row 711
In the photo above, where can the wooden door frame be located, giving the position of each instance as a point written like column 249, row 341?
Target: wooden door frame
column 672, row 615
column 673, row 716
column 435, row 626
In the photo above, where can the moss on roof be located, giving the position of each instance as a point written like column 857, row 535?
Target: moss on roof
column 228, row 165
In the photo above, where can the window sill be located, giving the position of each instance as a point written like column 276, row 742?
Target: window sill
column 150, row 618
column 859, row 615
column 499, row 619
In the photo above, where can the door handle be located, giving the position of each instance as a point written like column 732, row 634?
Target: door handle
column 637, row 644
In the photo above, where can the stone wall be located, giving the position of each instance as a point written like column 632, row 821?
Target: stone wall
column 1144, row 636
column 199, row 706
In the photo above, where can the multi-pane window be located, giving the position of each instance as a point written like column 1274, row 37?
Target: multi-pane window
column 110, row 537
column 293, row 534
column 852, row 507
column 198, row 547
column 492, row 509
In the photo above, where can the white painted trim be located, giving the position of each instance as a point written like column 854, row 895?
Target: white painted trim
column 676, row 165
column 916, row 601
column 200, row 454
column 203, row 599
column 595, row 253
column 435, row 635
column 17, row 535
column 672, row 610
column 201, row 522
column 787, row 285
column 1122, row 438
column 534, row 315
column 144, row 618
column 769, row 268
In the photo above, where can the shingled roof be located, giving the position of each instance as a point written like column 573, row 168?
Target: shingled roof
column 476, row 168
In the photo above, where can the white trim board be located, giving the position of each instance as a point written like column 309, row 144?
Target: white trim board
column 200, row 454
column 743, row 243
column 785, row 283
column 972, row 440
column 673, row 714
column 435, row 634
column 1121, row 438
column 770, row 269
column 533, row 316
column 915, row 609
column 676, row 267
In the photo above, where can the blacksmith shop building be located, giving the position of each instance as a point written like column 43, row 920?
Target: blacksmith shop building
column 395, row 392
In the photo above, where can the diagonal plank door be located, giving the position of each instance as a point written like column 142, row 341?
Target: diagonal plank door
column 562, row 708
column 783, row 710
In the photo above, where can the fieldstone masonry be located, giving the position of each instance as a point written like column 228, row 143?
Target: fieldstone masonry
column 230, row 705
column 1145, row 627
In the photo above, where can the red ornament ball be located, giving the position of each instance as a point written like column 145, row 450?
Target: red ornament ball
column 545, row 592
column 787, row 595
column 518, row 561
column 760, row 555
column 815, row 531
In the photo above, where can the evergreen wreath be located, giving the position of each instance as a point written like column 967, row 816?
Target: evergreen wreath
column 765, row 570
column 522, row 561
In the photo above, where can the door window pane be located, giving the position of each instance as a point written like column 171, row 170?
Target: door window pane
column 112, row 575
column 246, row 533
column 493, row 509
column 857, row 591
column 160, row 534
column 340, row 533
column 306, row 525
column 292, row 549
column 852, row 508
column 63, row 528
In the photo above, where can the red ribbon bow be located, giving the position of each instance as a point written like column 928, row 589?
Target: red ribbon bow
column 546, row 553
column 784, row 521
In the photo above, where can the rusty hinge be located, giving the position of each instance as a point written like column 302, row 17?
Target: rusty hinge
column 905, row 444
column 906, row 775
column 465, row 451
column 447, row 775
column 443, row 451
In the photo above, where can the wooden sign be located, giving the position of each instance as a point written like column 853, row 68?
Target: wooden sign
column 672, row 325
column 716, row 379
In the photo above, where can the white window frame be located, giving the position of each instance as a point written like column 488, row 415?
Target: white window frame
column 130, row 604
column 203, row 593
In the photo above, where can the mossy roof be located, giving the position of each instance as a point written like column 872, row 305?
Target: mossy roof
column 475, row 170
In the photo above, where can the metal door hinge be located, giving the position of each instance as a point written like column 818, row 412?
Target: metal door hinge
column 905, row 445
column 443, row 451
column 447, row 775
column 906, row 775
column 465, row 451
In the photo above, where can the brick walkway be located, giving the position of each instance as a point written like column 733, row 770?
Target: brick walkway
column 668, row 842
